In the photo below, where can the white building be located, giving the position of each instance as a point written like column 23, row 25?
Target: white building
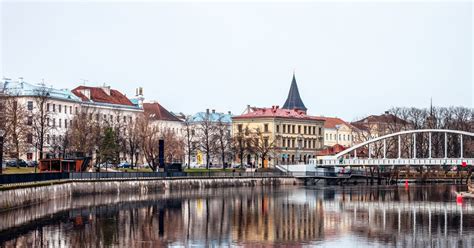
column 337, row 131
column 60, row 105
column 163, row 119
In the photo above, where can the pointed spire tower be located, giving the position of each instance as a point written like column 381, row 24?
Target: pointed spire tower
column 294, row 100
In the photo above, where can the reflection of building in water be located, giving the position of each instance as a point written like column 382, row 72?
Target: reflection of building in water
column 400, row 218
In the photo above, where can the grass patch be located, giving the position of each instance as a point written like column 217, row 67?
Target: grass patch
column 21, row 170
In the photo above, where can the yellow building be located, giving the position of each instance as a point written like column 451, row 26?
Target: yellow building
column 271, row 136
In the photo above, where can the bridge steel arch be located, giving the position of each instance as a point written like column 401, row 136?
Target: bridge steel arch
column 399, row 134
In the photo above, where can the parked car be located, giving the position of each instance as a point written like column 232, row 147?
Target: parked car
column 32, row 163
column 105, row 165
column 124, row 165
column 17, row 163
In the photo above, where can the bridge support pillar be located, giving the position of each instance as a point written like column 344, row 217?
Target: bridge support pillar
column 445, row 145
column 399, row 147
column 429, row 145
column 414, row 145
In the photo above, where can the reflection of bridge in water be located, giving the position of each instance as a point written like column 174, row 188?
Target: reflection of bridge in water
column 443, row 212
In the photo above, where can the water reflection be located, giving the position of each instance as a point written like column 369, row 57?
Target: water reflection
column 424, row 216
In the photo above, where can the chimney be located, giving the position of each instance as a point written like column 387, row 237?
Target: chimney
column 86, row 92
column 106, row 89
column 228, row 112
column 386, row 112
column 139, row 96
column 20, row 79
column 213, row 111
column 248, row 108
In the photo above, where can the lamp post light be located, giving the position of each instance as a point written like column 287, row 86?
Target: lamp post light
column 2, row 133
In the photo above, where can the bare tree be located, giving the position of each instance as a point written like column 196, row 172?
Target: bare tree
column 189, row 135
column 173, row 146
column 206, row 134
column 149, row 136
column 85, row 141
column 17, row 129
column 41, row 117
column 132, row 138
column 263, row 145
column 223, row 138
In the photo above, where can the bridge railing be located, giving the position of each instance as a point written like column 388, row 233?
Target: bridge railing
column 31, row 177
column 392, row 161
column 39, row 177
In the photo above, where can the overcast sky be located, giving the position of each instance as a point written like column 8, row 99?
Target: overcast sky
column 351, row 59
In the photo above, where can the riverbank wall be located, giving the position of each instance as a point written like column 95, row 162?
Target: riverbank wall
column 25, row 195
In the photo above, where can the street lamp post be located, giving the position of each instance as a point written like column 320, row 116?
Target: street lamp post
column 2, row 133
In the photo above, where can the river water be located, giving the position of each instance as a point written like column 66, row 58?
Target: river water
column 359, row 216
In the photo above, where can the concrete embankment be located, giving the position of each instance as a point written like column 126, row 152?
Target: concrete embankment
column 28, row 195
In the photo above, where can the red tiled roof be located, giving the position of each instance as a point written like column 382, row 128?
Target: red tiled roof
column 331, row 122
column 276, row 112
column 333, row 150
column 98, row 94
column 384, row 118
column 157, row 112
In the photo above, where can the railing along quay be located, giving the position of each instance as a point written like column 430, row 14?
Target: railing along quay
column 6, row 179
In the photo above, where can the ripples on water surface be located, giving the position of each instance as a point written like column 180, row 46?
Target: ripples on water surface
column 422, row 216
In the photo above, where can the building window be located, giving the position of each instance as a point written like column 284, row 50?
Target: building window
column 59, row 121
column 314, row 144
column 320, row 131
column 265, row 142
column 239, row 128
column 70, row 110
column 284, row 128
column 47, row 139
column 30, row 105
column 77, row 110
column 54, row 107
column 65, row 123
column 30, row 120
column 278, row 128
column 54, row 139
column 304, row 129
column 59, row 108
column 293, row 127
column 299, row 129
column 29, row 138
column 54, row 121
column 265, row 128
column 47, row 107
column 124, row 119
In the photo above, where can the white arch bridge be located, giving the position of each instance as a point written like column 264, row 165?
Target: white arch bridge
column 340, row 160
